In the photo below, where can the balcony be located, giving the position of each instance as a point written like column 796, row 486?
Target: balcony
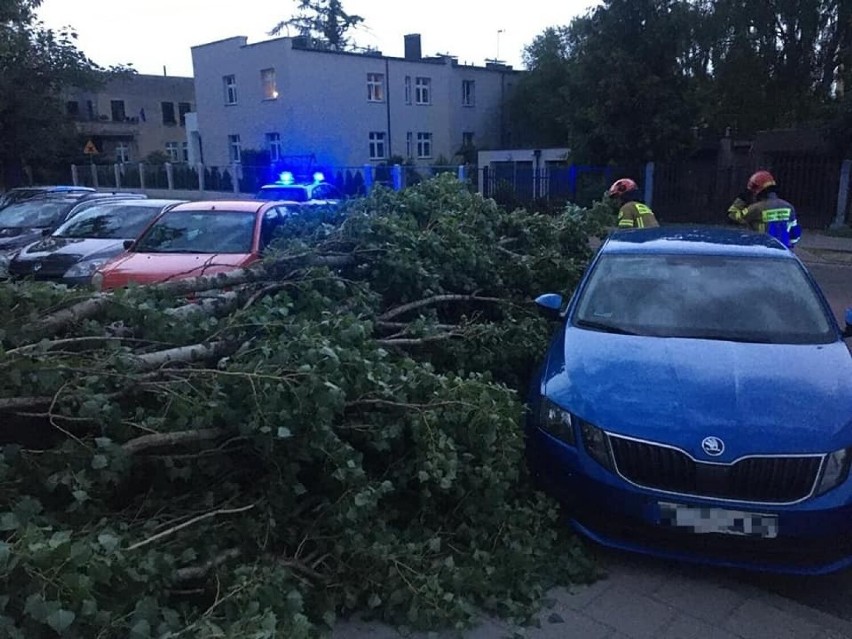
column 130, row 127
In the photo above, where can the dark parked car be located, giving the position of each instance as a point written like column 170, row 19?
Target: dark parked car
column 24, row 222
column 696, row 404
column 80, row 246
column 26, row 192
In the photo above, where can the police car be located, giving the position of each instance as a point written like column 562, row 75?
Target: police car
column 287, row 189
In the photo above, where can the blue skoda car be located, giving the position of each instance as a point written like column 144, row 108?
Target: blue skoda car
column 696, row 404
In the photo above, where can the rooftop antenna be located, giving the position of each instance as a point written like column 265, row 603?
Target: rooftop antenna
column 499, row 31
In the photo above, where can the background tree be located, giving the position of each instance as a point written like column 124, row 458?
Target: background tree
column 322, row 19
column 36, row 65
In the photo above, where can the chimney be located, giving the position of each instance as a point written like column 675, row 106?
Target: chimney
column 413, row 49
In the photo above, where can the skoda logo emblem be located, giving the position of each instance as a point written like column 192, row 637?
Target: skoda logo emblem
column 713, row 446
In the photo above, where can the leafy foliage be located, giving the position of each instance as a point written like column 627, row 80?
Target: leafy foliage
column 641, row 79
column 337, row 431
column 323, row 19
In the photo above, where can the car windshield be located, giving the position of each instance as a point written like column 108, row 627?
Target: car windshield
column 199, row 232
column 35, row 213
column 734, row 298
column 289, row 193
column 109, row 221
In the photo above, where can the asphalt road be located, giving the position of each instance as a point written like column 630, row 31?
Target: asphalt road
column 835, row 280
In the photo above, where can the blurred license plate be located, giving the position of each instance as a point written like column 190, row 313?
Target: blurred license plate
column 718, row 520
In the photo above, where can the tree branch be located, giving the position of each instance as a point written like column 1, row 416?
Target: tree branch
column 187, row 524
column 437, row 299
column 17, row 403
column 197, row 572
column 145, row 442
column 418, row 341
column 55, row 322
column 191, row 353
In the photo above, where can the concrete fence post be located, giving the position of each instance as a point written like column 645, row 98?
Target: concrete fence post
column 75, row 178
column 235, row 178
column 462, row 174
column 200, row 168
column 368, row 177
column 649, row 183
column 141, row 176
column 170, row 176
column 842, row 195
column 94, row 175
column 116, row 170
column 397, row 175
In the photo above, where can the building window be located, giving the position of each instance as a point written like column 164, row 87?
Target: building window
column 122, row 152
column 409, row 144
column 468, row 93
column 377, row 145
column 173, row 151
column 273, row 143
column 90, row 109
column 184, row 149
column 235, row 151
column 375, row 87
column 424, row 145
column 408, row 89
column 467, row 139
column 229, row 83
column 168, row 112
column 72, row 108
column 423, row 91
column 117, row 109
column 183, row 109
column 269, row 84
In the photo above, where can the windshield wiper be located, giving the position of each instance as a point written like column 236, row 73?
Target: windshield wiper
column 604, row 327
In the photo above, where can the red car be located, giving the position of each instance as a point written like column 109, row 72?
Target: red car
column 195, row 238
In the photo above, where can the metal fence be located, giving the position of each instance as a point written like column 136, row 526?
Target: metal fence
column 245, row 179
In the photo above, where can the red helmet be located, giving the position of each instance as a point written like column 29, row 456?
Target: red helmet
column 760, row 181
column 622, row 186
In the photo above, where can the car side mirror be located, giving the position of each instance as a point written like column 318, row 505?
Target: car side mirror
column 128, row 244
column 847, row 333
column 551, row 304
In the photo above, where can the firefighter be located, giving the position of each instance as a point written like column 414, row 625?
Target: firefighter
column 768, row 213
column 633, row 214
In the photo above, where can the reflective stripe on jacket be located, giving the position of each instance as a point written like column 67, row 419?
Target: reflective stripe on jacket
column 635, row 215
column 773, row 215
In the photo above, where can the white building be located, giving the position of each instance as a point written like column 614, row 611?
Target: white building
column 292, row 98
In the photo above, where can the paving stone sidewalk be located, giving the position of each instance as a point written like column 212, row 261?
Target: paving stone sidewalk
column 649, row 599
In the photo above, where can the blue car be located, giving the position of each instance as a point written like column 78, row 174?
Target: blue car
column 695, row 404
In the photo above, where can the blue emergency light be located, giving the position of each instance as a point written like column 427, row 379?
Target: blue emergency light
column 286, row 178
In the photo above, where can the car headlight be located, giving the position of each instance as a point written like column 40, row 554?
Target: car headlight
column 835, row 470
column 556, row 421
column 597, row 444
column 98, row 281
column 85, row 269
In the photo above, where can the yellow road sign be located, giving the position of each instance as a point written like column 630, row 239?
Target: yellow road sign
column 90, row 148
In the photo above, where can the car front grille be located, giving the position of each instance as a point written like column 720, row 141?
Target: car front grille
column 776, row 480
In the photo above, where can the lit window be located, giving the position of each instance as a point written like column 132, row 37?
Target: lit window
column 468, row 93
column 273, row 143
column 173, row 151
column 377, row 145
column 269, row 84
column 423, row 91
column 235, row 152
column 375, row 87
column 424, row 145
column 408, row 89
column 229, row 83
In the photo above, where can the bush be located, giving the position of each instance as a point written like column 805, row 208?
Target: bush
column 334, row 430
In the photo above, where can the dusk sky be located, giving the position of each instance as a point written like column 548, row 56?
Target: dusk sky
column 152, row 33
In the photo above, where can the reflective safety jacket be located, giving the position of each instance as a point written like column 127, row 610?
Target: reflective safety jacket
column 771, row 215
column 635, row 215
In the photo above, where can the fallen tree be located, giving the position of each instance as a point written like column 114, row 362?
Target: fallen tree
column 336, row 429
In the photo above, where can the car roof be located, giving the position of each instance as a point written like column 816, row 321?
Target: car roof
column 227, row 206
column 119, row 201
column 695, row 240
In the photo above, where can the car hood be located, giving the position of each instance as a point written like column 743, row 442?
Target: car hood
column 149, row 268
column 12, row 238
column 77, row 249
column 758, row 398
